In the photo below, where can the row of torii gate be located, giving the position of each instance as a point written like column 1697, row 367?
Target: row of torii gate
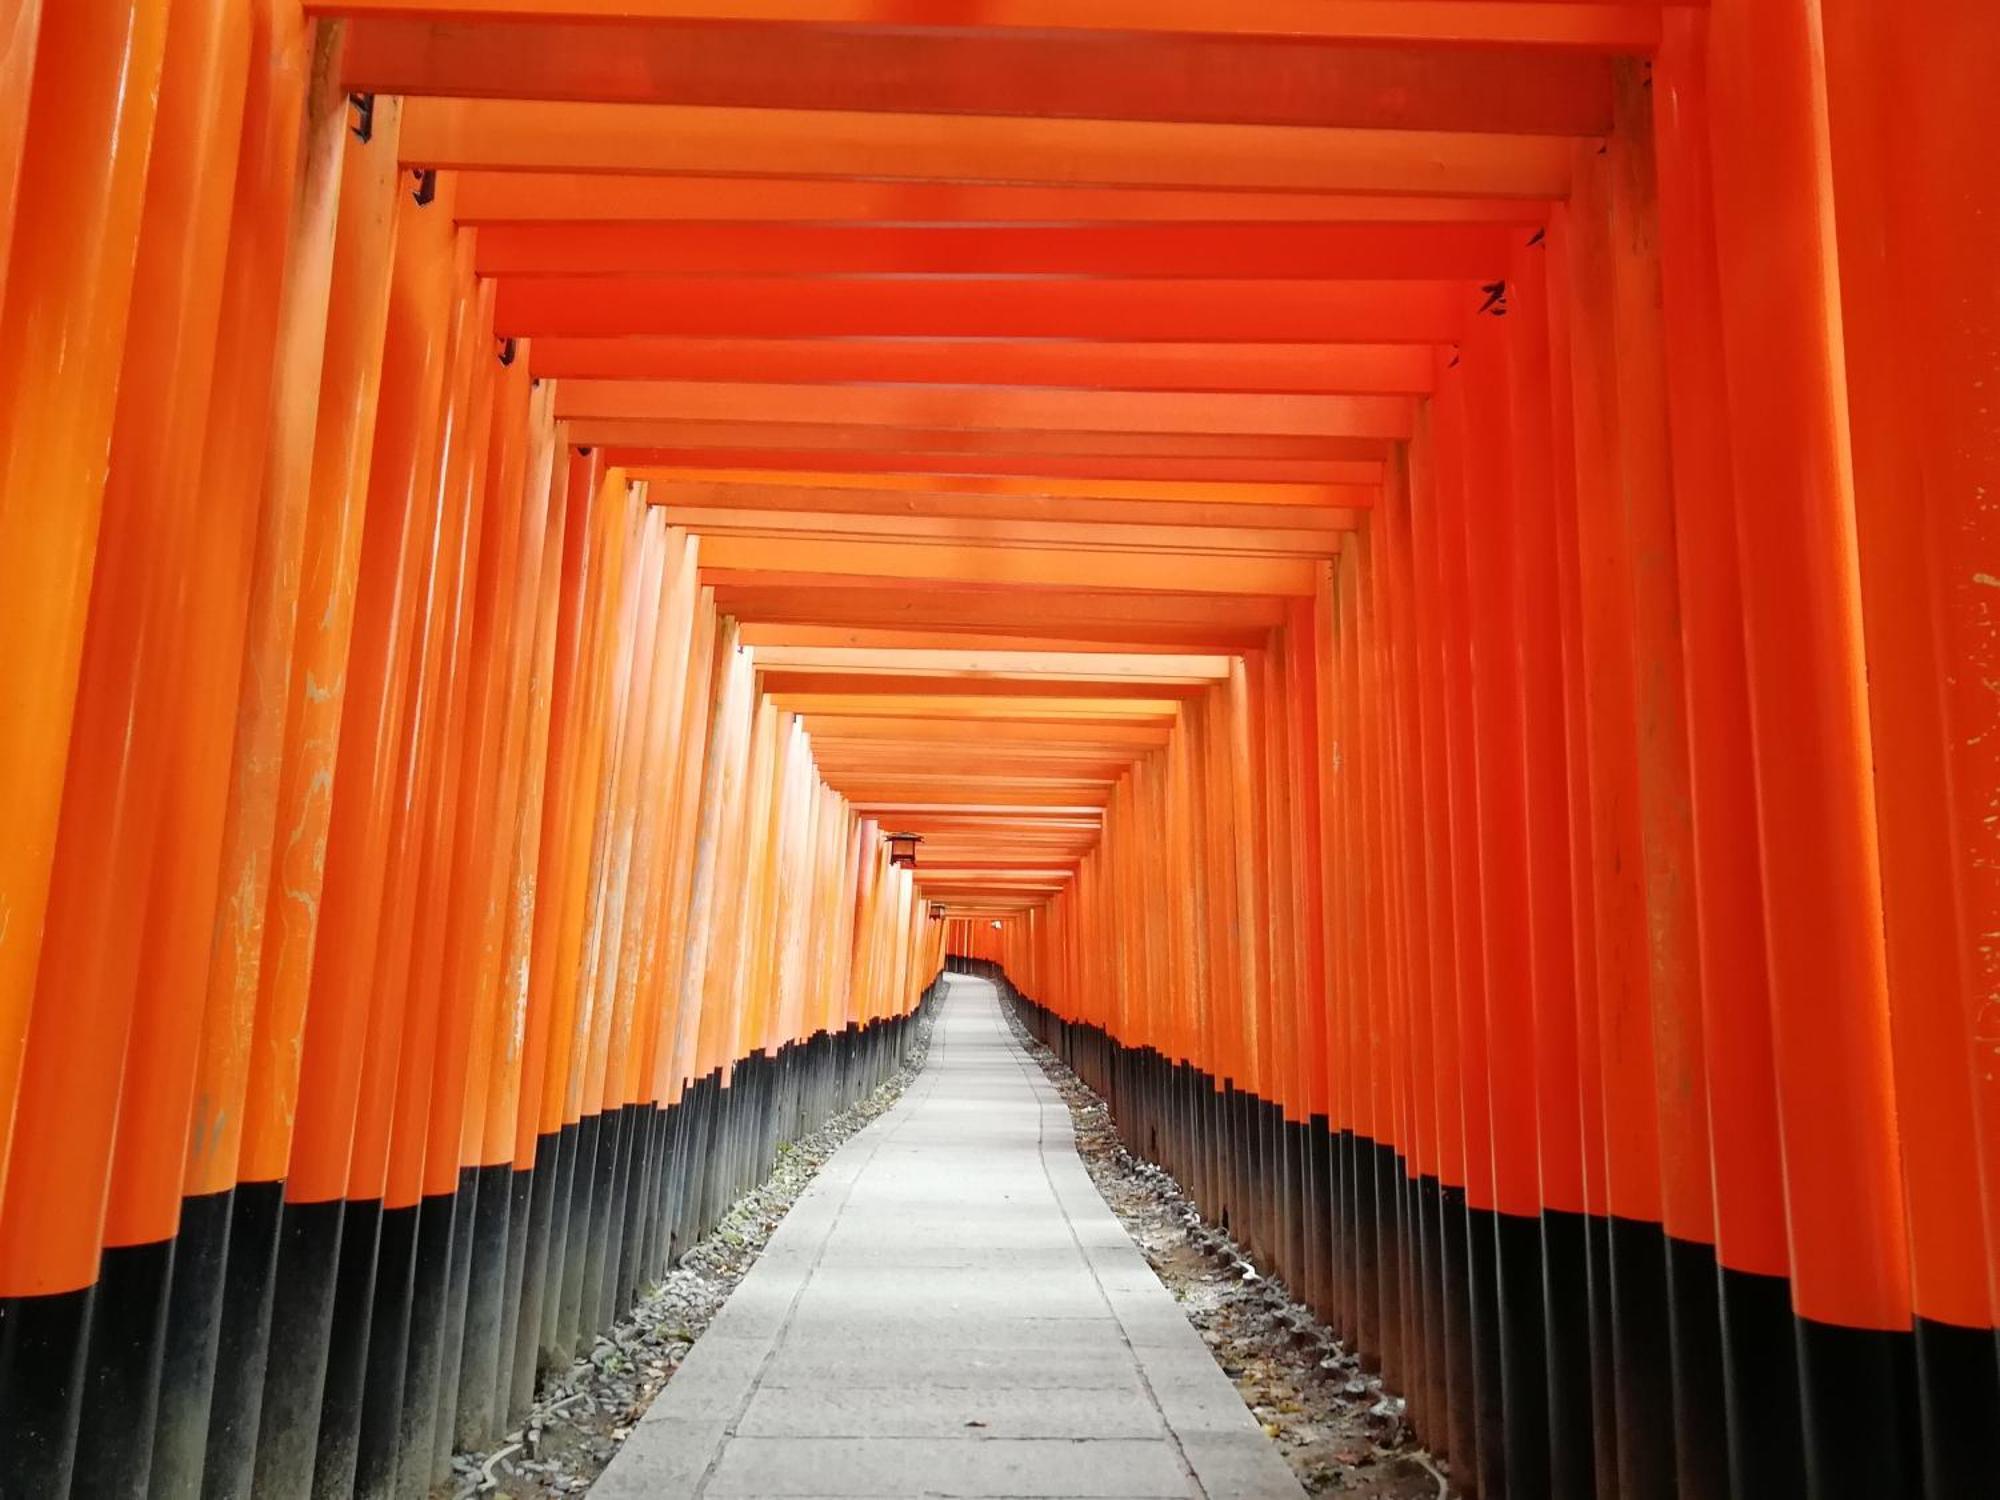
column 1422, row 569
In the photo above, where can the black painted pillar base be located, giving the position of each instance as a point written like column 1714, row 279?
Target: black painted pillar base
column 229, row 1467
column 193, row 1328
column 128, row 1329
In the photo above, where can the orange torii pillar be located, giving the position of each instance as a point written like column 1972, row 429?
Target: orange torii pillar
column 1908, row 118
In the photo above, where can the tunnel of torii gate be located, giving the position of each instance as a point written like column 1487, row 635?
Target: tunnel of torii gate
column 1424, row 572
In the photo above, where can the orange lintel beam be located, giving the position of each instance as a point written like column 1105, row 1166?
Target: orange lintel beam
column 867, row 757
column 859, row 635
column 752, row 441
column 1050, row 838
column 1028, row 832
column 1356, row 494
column 858, row 781
column 862, row 596
column 1010, row 760
column 1015, row 869
column 1005, row 833
column 746, row 500
column 1145, row 536
column 962, row 729
column 601, row 197
column 1219, row 471
column 973, row 406
column 1370, row 252
column 912, row 603
column 917, row 804
column 959, row 894
column 967, row 875
column 1293, row 577
column 951, row 760
column 1633, row 26
column 1193, row 667
column 966, row 889
column 1017, row 702
column 977, row 905
column 1174, row 310
column 1002, row 838
column 1007, row 827
column 1081, row 636
column 830, row 692
column 988, row 848
column 902, row 797
column 852, row 778
column 981, row 848
column 1068, row 856
column 1078, row 75
column 953, row 837
column 700, row 140
column 1277, row 369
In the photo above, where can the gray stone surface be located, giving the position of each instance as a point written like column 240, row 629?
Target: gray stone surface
column 951, row 1310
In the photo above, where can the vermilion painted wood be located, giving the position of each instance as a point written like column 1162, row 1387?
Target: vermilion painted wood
column 478, row 134
column 585, row 403
column 1254, row 511
column 177, row 295
column 1177, row 310
column 1388, row 252
column 1298, row 459
column 742, row 504
column 1897, row 113
column 251, row 741
column 1305, row 81
column 1246, row 472
column 82, row 184
column 1585, row 24
column 1814, row 809
column 521, row 197
column 1303, row 369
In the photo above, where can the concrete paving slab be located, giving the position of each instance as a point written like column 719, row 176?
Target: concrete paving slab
column 1018, row 1367
column 951, row 1310
column 955, row 1412
column 949, row 1466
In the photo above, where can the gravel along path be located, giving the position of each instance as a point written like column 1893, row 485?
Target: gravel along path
column 580, row 1417
column 1340, row 1430
column 1342, row 1433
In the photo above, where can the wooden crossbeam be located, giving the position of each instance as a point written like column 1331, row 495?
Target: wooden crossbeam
column 753, row 442
column 949, row 562
column 1632, row 26
column 1178, row 310
column 700, row 140
column 516, row 197
column 1145, row 468
column 699, row 504
column 1095, row 666
column 715, row 482
column 1240, row 251
column 1216, row 79
column 977, row 407
column 1275, row 369
column 1239, row 541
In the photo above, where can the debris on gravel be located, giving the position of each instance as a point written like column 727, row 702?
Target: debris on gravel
column 1340, row 1429
column 582, row 1415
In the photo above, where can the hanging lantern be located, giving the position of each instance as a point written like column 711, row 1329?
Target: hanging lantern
column 903, row 849
column 938, row 912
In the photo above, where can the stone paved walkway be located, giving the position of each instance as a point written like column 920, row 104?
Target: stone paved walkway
column 951, row 1310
